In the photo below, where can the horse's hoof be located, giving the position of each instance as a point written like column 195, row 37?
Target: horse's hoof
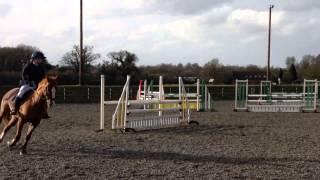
column 23, row 152
column 10, row 146
column 46, row 117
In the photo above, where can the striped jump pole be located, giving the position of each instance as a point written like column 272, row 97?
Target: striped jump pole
column 310, row 92
column 265, row 89
column 241, row 95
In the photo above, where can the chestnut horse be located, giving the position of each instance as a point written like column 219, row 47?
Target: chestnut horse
column 31, row 110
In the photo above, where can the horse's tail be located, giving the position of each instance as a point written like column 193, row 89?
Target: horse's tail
column 4, row 109
column 5, row 104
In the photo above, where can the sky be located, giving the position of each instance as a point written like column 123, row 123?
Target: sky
column 167, row 31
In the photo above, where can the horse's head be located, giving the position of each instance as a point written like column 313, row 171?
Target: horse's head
column 47, row 88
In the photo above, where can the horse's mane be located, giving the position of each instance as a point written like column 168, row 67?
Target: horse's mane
column 43, row 83
column 46, row 80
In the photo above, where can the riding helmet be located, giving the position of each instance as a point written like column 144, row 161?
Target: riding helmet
column 37, row 55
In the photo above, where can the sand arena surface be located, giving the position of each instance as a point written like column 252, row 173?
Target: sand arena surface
column 226, row 145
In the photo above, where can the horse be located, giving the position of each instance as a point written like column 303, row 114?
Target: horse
column 33, row 107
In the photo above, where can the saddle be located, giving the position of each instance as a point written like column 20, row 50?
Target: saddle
column 23, row 99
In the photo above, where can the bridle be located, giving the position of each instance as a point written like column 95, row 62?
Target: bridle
column 48, row 90
column 50, row 95
column 47, row 95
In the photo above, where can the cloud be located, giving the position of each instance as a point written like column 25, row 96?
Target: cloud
column 152, row 7
column 97, row 9
column 171, row 31
column 185, row 7
column 251, row 20
column 305, row 5
column 5, row 10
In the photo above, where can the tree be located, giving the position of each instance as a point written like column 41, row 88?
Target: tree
column 111, row 72
column 125, row 62
column 252, row 67
column 293, row 73
column 280, row 73
column 13, row 58
column 280, row 76
column 192, row 70
column 290, row 75
column 212, row 69
column 72, row 58
column 309, row 67
column 290, row 60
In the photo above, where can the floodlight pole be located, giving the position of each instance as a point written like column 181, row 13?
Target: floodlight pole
column 269, row 44
column 81, row 45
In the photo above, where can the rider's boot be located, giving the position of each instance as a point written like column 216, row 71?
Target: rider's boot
column 17, row 103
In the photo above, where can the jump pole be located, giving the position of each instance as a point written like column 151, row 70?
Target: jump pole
column 198, row 94
column 241, row 94
column 160, row 94
column 180, row 89
column 102, row 103
column 126, row 102
column 205, row 98
column 180, row 95
column 145, row 93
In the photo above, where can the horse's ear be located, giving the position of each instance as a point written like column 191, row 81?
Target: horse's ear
column 52, row 77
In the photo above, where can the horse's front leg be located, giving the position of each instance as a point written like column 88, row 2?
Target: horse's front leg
column 12, row 121
column 28, row 136
column 18, row 133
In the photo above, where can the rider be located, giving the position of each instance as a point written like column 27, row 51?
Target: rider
column 32, row 74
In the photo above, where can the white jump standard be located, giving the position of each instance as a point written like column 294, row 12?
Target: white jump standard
column 131, row 114
column 267, row 101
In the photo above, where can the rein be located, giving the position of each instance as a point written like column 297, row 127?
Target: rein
column 42, row 97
